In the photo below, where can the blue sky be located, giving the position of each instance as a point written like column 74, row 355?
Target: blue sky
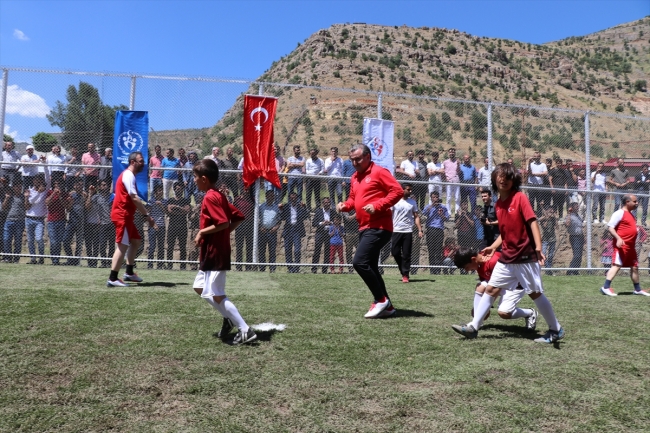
column 230, row 39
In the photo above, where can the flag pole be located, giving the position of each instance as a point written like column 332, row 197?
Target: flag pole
column 256, row 214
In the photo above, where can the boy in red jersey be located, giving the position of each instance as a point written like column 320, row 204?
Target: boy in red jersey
column 622, row 226
column 217, row 219
column 521, row 255
column 471, row 260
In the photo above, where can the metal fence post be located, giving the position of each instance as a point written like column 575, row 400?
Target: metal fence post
column 589, row 186
column 3, row 100
column 132, row 96
column 379, row 105
column 489, row 137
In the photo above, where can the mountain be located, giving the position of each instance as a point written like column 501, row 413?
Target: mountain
column 605, row 71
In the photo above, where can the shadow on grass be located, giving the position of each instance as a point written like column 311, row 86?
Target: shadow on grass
column 161, row 284
column 513, row 332
column 261, row 336
column 408, row 313
column 423, row 280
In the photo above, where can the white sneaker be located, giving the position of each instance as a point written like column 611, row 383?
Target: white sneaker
column 641, row 292
column 607, row 292
column 133, row 278
column 116, row 283
column 376, row 309
column 596, row 222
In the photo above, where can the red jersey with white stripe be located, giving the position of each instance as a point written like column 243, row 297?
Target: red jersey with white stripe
column 513, row 214
column 484, row 270
column 378, row 187
column 215, row 247
column 123, row 206
column 625, row 225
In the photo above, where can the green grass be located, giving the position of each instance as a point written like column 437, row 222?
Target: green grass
column 76, row 356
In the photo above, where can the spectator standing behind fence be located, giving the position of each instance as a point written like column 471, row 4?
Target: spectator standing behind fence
column 622, row 226
column 420, row 190
column 4, row 190
column 92, row 157
column 178, row 208
column 294, row 213
column 314, row 166
column 216, row 152
column 598, row 183
column 169, row 176
column 465, row 227
column 55, row 166
column 74, row 228
column 188, row 179
column 489, row 218
column 72, row 171
column 484, row 176
column 452, row 170
column 269, row 214
column 157, row 208
column 155, row 176
column 13, row 205
column 606, row 249
column 479, row 230
column 321, row 222
column 280, row 165
column 336, row 233
column 106, row 173
column 642, row 186
column 244, row 231
column 571, row 182
column 619, row 180
column 35, row 213
column 351, row 227
column 231, row 163
column 406, row 169
column 296, row 165
column 348, row 171
column 99, row 231
column 537, row 177
column 406, row 214
column 10, row 171
column 334, row 168
column 55, row 200
column 573, row 223
column 547, row 224
column 558, row 179
column 436, row 171
column 470, row 177
column 436, row 214
column 194, row 224
column 29, row 171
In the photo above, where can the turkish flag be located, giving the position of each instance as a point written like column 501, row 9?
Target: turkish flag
column 259, row 152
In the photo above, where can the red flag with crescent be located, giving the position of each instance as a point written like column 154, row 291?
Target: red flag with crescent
column 259, row 152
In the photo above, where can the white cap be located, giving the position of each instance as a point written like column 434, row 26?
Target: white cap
column 29, row 147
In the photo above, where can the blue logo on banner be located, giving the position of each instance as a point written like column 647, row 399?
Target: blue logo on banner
column 131, row 135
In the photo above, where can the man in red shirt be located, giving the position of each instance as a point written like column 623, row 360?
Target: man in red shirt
column 127, row 238
column 622, row 226
column 373, row 190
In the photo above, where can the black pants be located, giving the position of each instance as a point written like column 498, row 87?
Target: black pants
column 100, row 242
column 559, row 198
column 321, row 242
column 313, row 186
column 73, row 229
column 539, row 196
column 270, row 239
column 577, row 243
column 366, row 260
column 401, row 248
column 435, row 238
column 244, row 238
column 176, row 232
column 420, row 195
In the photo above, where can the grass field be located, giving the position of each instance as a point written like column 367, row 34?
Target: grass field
column 76, row 356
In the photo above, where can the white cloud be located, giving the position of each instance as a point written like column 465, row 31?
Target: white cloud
column 16, row 136
column 25, row 103
column 18, row 34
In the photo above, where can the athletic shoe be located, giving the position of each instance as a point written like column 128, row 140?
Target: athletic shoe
column 387, row 312
column 551, row 337
column 641, row 292
column 376, row 308
column 244, row 337
column 596, row 222
column 226, row 327
column 134, row 278
column 405, row 279
column 116, row 283
column 607, row 292
column 467, row 330
column 531, row 321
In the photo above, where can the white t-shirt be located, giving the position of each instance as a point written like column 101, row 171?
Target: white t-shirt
column 314, row 167
column 598, row 180
column 408, row 167
column 535, row 169
column 334, row 168
column 128, row 180
column 29, row 170
column 485, row 177
column 435, row 166
column 404, row 213
column 294, row 160
column 53, row 159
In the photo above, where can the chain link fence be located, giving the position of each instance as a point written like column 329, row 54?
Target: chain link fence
column 56, row 209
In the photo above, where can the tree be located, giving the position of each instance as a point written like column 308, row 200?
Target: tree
column 6, row 137
column 43, row 141
column 84, row 119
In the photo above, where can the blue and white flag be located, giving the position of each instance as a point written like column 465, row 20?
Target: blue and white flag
column 378, row 136
column 131, row 135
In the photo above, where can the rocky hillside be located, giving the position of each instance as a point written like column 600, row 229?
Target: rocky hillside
column 607, row 71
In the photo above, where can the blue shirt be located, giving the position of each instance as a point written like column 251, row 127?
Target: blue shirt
column 337, row 232
column 269, row 215
column 348, row 168
column 479, row 227
column 170, row 163
column 434, row 218
column 469, row 173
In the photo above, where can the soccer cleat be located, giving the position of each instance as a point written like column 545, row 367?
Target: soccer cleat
column 405, row 279
column 244, row 337
column 551, row 337
column 390, row 311
column 607, row 292
column 134, row 278
column 226, row 327
column 116, row 283
column 376, row 308
column 531, row 321
column 467, row 330
column 596, row 222
column 641, row 292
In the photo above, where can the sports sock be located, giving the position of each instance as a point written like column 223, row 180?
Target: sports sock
column 521, row 312
column 546, row 309
column 113, row 276
column 214, row 304
column 608, row 283
column 129, row 269
column 480, row 312
column 233, row 314
column 477, row 299
column 637, row 287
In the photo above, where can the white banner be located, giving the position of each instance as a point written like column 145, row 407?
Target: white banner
column 378, row 136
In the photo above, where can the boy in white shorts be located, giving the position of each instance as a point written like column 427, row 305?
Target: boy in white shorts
column 471, row 260
column 521, row 255
column 217, row 219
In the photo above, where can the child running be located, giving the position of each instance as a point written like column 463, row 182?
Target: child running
column 521, row 255
column 217, row 219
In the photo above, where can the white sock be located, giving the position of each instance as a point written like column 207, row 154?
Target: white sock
column 213, row 303
column 521, row 312
column 546, row 309
column 477, row 299
column 482, row 309
column 233, row 314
